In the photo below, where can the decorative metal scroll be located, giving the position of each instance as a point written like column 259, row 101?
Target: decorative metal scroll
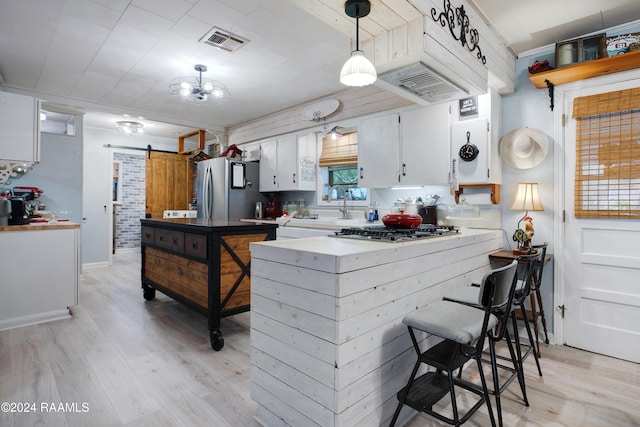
column 457, row 20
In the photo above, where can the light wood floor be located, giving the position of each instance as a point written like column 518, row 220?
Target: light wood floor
column 123, row 361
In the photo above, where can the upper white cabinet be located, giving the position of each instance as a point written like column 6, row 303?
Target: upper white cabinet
column 19, row 127
column 250, row 152
column 424, row 137
column 410, row 148
column 470, row 149
column 288, row 163
column 378, row 151
column 481, row 130
column 269, row 165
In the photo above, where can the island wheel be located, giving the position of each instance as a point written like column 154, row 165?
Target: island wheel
column 217, row 342
column 148, row 293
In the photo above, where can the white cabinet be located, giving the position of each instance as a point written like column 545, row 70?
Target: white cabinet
column 483, row 131
column 19, row 127
column 471, row 133
column 34, row 292
column 288, row 163
column 410, row 148
column 289, row 233
column 269, row 165
column 288, row 176
column 424, row 156
column 250, row 152
column 378, row 151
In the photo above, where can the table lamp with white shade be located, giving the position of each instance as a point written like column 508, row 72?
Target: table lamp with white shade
column 526, row 198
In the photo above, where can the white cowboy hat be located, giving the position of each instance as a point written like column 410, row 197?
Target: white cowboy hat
column 524, row 148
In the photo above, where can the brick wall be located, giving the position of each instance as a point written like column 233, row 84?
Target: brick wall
column 132, row 209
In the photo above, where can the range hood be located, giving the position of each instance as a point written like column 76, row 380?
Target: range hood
column 430, row 79
column 420, row 81
column 428, row 65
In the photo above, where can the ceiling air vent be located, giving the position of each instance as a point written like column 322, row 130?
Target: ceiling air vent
column 224, row 40
column 423, row 82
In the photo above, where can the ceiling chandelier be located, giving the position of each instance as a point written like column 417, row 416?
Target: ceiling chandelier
column 358, row 70
column 130, row 128
column 199, row 90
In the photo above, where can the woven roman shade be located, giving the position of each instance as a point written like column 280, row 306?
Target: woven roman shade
column 342, row 151
column 607, row 181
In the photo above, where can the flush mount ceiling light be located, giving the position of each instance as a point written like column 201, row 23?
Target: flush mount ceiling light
column 130, row 128
column 199, row 90
column 358, row 70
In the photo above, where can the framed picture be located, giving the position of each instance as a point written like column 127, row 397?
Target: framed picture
column 469, row 106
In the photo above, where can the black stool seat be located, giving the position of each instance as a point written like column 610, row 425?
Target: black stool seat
column 463, row 330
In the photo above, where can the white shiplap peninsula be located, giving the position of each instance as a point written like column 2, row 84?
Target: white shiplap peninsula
column 328, row 347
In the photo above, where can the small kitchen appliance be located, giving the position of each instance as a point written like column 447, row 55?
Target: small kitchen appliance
column 179, row 214
column 393, row 235
column 19, row 214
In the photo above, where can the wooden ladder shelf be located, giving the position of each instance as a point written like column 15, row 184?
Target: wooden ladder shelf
column 201, row 140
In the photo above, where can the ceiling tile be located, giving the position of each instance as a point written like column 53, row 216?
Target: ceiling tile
column 92, row 14
column 170, row 9
column 216, row 14
column 145, row 22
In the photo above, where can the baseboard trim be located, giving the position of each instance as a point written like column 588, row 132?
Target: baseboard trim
column 34, row 319
column 96, row 264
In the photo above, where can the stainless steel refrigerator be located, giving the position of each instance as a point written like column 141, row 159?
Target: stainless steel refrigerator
column 227, row 190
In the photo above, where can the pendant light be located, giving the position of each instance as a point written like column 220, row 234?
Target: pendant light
column 358, row 70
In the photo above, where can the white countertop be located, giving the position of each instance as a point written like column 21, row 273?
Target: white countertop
column 325, row 223
column 337, row 255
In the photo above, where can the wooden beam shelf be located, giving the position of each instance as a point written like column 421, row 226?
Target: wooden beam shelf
column 586, row 70
column 493, row 188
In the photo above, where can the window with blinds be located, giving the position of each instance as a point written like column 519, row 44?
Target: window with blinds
column 607, row 181
column 339, row 166
column 342, row 151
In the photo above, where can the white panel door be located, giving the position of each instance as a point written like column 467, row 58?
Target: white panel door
column 601, row 267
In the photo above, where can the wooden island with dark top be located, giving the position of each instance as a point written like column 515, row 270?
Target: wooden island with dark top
column 204, row 264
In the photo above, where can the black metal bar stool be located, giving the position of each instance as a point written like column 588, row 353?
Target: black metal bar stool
column 469, row 296
column 528, row 290
column 464, row 330
column 535, row 299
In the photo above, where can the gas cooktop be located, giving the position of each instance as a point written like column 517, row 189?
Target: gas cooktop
column 384, row 234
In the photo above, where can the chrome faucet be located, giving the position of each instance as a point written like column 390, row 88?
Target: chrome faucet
column 345, row 212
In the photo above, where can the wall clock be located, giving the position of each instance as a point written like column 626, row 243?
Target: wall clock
column 468, row 152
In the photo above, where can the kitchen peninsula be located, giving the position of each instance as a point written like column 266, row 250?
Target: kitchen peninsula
column 204, row 264
column 40, row 267
column 328, row 344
